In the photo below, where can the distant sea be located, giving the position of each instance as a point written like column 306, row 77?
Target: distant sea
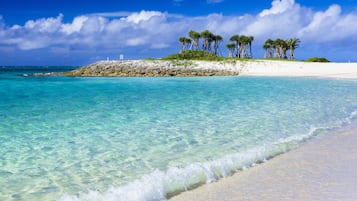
column 81, row 138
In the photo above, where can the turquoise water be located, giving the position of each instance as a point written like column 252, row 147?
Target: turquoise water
column 149, row 138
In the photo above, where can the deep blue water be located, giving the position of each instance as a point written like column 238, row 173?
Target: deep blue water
column 74, row 138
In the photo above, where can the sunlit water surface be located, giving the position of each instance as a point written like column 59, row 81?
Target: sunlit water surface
column 65, row 138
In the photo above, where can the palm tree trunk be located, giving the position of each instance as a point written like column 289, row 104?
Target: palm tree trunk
column 215, row 45
column 250, row 51
column 230, row 54
column 243, row 51
column 291, row 53
column 195, row 44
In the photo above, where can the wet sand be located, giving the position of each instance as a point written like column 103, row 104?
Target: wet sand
column 325, row 168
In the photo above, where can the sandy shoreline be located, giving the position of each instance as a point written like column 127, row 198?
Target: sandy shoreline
column 324, row 168
column 300, row 69
column 159, row 68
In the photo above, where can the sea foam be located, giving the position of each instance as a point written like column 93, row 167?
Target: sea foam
column 161, row 185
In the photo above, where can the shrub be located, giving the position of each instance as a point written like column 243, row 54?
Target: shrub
column 193, row 55
column 317, row 59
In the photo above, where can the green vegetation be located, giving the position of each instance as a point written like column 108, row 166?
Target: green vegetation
column 240, row 47
column 184, row 43
column 279, row 47
column 194, row 55
column 231, row 48
column 210, row 41
column 317, row 59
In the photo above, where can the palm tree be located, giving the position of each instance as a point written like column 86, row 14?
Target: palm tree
column 210, row 41
column 277, row 44
column 216, row 39
column 205, row 35
column 187, row 42
column 182, row 41
column 243, row 41
column 251, row 38
column 230, row 47
column 235, row 39
column 268, row 46
column 195, row 36
column 292, row 43
column 284, row 48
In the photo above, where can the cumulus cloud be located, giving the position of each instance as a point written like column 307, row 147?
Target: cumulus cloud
column 143, row 16
column 160, row 30
column 75, row 26
column 278, row 6
column 284, row 19
column 330, row 26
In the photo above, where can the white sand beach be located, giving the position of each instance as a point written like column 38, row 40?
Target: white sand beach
column 292, row 68
column 322, row 169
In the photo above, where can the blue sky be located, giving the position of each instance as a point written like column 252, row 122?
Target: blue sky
column 73, row 32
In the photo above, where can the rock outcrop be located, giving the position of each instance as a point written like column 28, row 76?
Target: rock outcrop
column 158, row 68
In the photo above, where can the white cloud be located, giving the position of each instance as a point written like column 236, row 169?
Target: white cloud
column 45, row 25
column 143, row 16
column 75, row 26
column 94, row 25
column 330, row 26
column 278, row 6
column 159, row 30
column 284, row 19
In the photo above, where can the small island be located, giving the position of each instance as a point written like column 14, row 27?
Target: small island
column 192, row 60
column 164, row 68
column 206, row 61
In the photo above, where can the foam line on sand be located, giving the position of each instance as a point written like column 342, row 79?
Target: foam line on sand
column 323, row 169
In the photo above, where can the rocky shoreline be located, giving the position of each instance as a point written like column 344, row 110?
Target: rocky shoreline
column 164, row 68
column 157, row 68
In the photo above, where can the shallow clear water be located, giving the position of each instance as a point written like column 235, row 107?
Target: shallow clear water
column 149, row 138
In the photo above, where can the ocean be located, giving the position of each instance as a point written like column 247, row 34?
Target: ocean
column 147, row 139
